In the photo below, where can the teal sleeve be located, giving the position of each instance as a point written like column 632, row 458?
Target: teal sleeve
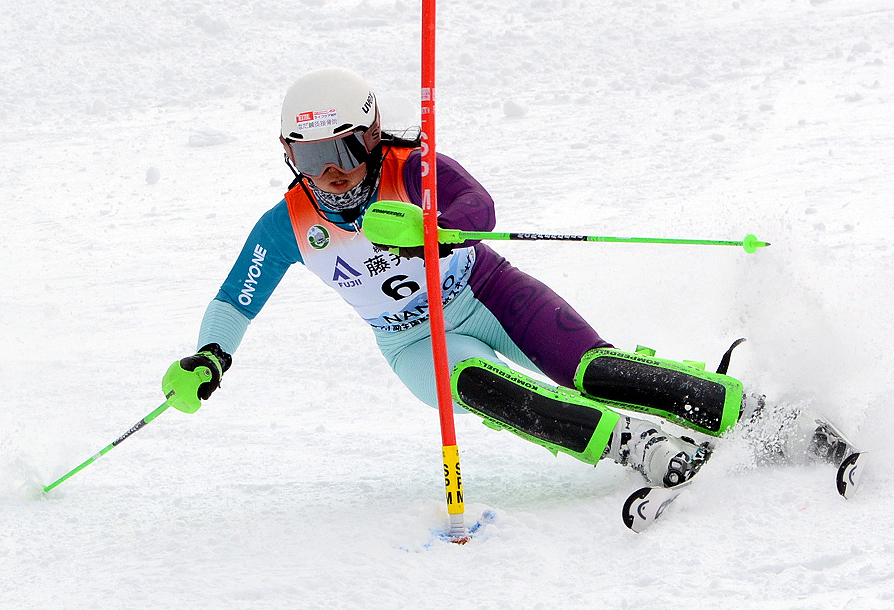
column 267, row 254
column 223, row 324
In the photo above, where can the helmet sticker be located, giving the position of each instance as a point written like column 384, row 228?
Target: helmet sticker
column 318, row 237
column 317, row 118
column 368, row 105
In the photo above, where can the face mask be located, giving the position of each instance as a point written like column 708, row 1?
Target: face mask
column 356, row 197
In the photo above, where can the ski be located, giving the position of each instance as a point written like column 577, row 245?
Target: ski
column 644, row 506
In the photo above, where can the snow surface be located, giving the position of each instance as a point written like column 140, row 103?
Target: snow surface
column 139, row 145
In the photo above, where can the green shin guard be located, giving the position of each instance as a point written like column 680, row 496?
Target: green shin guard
column 681, row 392
column 559, row 419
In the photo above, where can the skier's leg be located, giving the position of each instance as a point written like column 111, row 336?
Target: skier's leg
column 556, row 418
column 474, row 333
column 414, row 364
column 546, row 329
column 539, row 322
column 561, row 419
column 680, row 392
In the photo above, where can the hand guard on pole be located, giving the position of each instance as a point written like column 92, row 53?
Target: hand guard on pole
column 193, row 379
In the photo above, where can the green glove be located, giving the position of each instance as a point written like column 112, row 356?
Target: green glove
column 191, row 380
column 396, row 226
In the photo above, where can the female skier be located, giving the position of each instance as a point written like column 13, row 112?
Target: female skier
column 342, row 164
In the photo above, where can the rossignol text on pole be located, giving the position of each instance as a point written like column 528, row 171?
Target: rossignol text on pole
column 158, row 411
column 750, row 243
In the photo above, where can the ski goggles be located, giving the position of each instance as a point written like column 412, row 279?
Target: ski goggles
column 312, row 158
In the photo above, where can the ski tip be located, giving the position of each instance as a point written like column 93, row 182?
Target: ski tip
column 849, row 474
column 644, row 506
column 632, row 506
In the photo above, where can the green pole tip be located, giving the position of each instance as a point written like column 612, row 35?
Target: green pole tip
column 752, row 243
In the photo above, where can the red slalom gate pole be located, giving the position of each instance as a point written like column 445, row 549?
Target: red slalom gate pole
column 452, row 476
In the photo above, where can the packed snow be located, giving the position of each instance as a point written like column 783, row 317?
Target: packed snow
column 139, row 146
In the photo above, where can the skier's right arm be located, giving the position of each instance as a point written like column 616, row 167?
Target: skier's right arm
column 267, row 254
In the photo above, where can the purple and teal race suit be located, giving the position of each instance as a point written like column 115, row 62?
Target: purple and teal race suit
column 489, row 306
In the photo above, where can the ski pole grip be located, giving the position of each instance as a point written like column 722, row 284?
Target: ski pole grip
column 394, row 223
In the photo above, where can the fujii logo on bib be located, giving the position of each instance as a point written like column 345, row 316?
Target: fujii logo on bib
column 318, row 237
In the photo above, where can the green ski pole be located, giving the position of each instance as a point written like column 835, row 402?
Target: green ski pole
column 396, row 223
column 161, row 408
column 452, row 236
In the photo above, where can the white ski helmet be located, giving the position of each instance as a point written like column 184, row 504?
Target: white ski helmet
column 329, row 117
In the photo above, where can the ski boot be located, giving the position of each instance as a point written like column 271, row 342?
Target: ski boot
column 662, row 458
column 828, row 444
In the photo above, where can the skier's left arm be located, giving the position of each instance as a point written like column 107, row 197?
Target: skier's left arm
column 268, row 252
column 462, row 202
